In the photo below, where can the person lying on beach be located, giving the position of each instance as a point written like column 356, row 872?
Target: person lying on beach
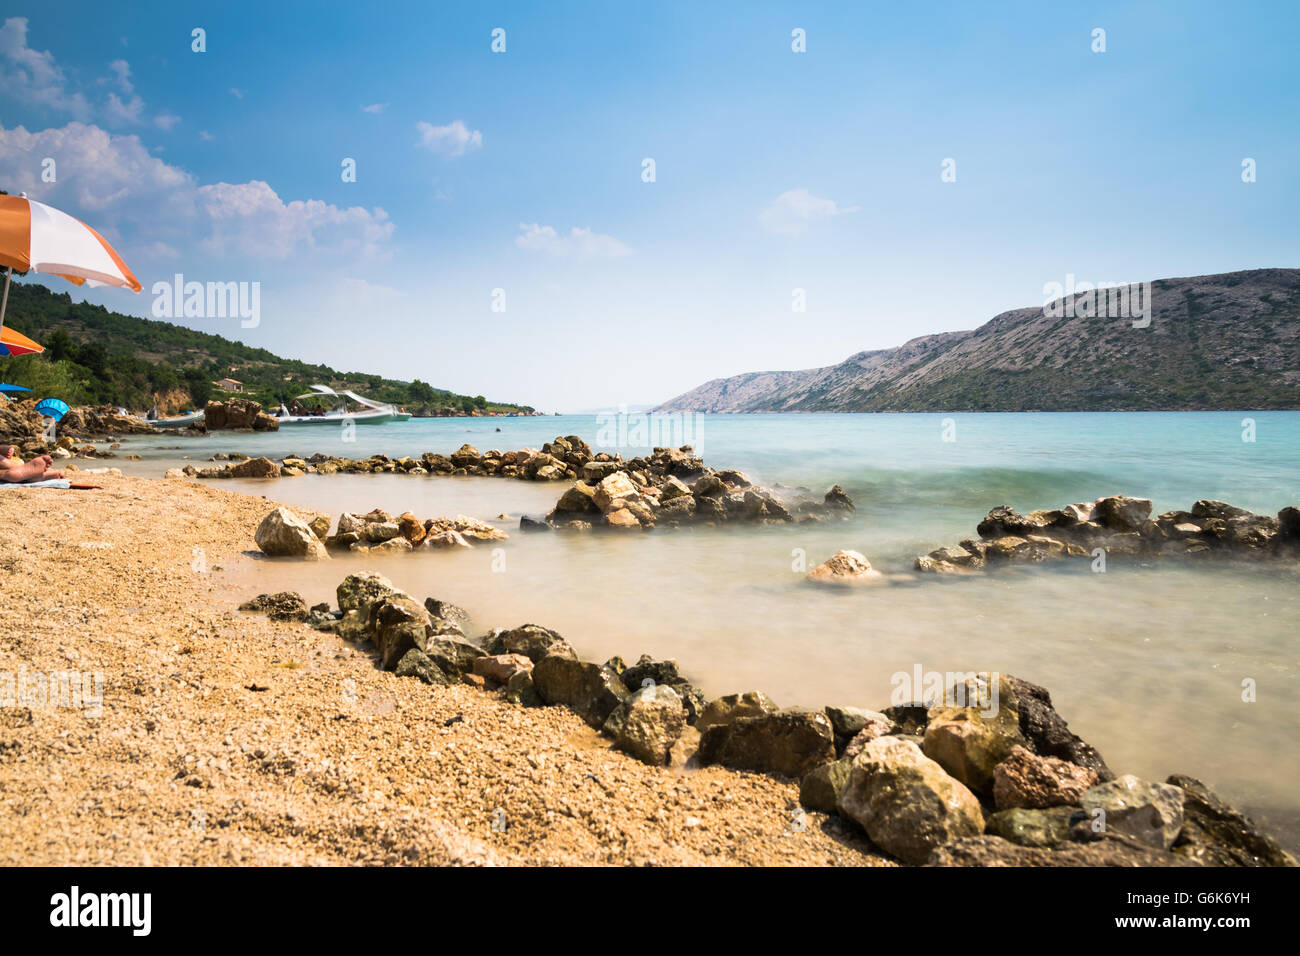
column 14, row 471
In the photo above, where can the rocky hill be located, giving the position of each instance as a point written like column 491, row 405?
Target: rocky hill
column 1229, row 341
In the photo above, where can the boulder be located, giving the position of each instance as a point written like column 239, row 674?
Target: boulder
column 590, row 690
column 906, row 802
column 875, row 725
column 1026, row 780
column 1215, row 834
column 415, row 663
column 499, row 668
column 673, row 488
column 361, row 591
column 580, row 499
column 454, row 615
column 1025, row 827
column 532, row 641
column 1045, row 731
column 398, row 625
column 648, row 724
column 1151, row 813
column 838, row 500
column 520, row 690
column 969, row 742
column 723, row 710
column 411, row 528
column 612, row 488
column 789, row 742
column 254, row 468
column 1121, row 513
column 821, row 786
column 844, row 567
column 447, row 540
column 283, row 534
column 454, row 656
column 281, row 606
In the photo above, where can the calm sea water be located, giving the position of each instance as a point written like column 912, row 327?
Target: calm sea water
column 1146, row 661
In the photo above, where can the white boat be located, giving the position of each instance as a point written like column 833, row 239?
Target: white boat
column 366, row 412
column 182, row 421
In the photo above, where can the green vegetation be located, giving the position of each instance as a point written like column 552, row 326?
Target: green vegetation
column 94, row 356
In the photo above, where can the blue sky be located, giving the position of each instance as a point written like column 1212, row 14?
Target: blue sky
column 775, row 171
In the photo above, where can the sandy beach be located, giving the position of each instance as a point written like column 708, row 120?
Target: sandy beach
column 226, row 738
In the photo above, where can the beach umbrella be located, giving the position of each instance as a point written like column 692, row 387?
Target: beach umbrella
column 6, row 387
column 39, row 238
column 15, row 343
column 54, row 408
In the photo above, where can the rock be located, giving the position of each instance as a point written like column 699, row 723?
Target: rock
column 838, row 500
column 844, row 567
column 1027, row 780
column 648, row 723
column 283, row 534
column 1215, row 834
column 411, row 528
column 735, row 479
column 611, row 489
column 452, row 614
column 454, row 656
column 379, row 531
column 969, row 742
column 465, row 456
column 992, row 850
column 173, row 473
column 1206, row 508
column 1289, row 523
column 1151, row 813
column 876, row 725
column 320, row 526
column 281, row 606
column 398, row 624
column 532, row 641
column 622, row 519
column 708, row 486
column 391, row 544
column 520, row 690
column 723, row 710
column 1026, row 827
column 789, row 742
column 594, row 471
column 672, row 488
column 821, row 786
column 580, row 499
column 415, row 663
column 361, row 591
column 449, row 539
column 1121, row 513
column 590, row 690
column 906, row 802
column 529, row 524
column 1045, row 731
column 501, row 667
column 254, row 468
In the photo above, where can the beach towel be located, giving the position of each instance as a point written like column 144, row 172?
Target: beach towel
column 47, row 483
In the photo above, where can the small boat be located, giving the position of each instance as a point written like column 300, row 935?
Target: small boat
column 367, row 412
column 181, row 421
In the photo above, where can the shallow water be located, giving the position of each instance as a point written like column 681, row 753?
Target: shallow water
column 1145, row 661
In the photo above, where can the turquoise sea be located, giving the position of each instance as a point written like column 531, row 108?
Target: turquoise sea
column 1147, row 661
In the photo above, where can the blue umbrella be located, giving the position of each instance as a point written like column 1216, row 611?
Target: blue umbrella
column 52, row 408
column 6, row 387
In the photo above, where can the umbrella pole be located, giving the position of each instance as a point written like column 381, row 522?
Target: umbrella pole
column 4, row 303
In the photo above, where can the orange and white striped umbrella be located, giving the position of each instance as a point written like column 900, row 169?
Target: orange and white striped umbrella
column 39, row 238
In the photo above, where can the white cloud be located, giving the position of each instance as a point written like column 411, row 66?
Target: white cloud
column 579, row 243
column 237, row 93
column 374, row 108
column 33, row 75
column 127, row 191
column 206, row 136
column 791, row 213
column 454, row 139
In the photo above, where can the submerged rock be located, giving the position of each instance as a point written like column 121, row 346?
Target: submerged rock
column 844, row 567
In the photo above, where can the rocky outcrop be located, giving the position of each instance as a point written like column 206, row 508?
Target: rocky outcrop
column 1119, row 526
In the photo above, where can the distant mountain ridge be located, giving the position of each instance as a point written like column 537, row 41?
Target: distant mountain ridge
column 1227, row 341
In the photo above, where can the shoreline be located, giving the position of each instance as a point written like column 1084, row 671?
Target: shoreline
column 195, row 662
